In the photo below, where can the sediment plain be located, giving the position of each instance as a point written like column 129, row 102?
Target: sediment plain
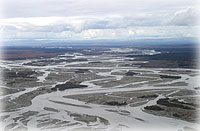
column 98, row 90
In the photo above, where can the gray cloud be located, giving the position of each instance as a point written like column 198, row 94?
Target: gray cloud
column 80, row 19
column 185, row 17
column 47, row 8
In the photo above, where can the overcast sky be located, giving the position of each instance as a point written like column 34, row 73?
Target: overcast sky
column 98, row 19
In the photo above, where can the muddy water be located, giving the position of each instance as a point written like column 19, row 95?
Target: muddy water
column 123, row 118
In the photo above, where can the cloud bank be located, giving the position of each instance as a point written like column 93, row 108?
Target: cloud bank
column 88, row 19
